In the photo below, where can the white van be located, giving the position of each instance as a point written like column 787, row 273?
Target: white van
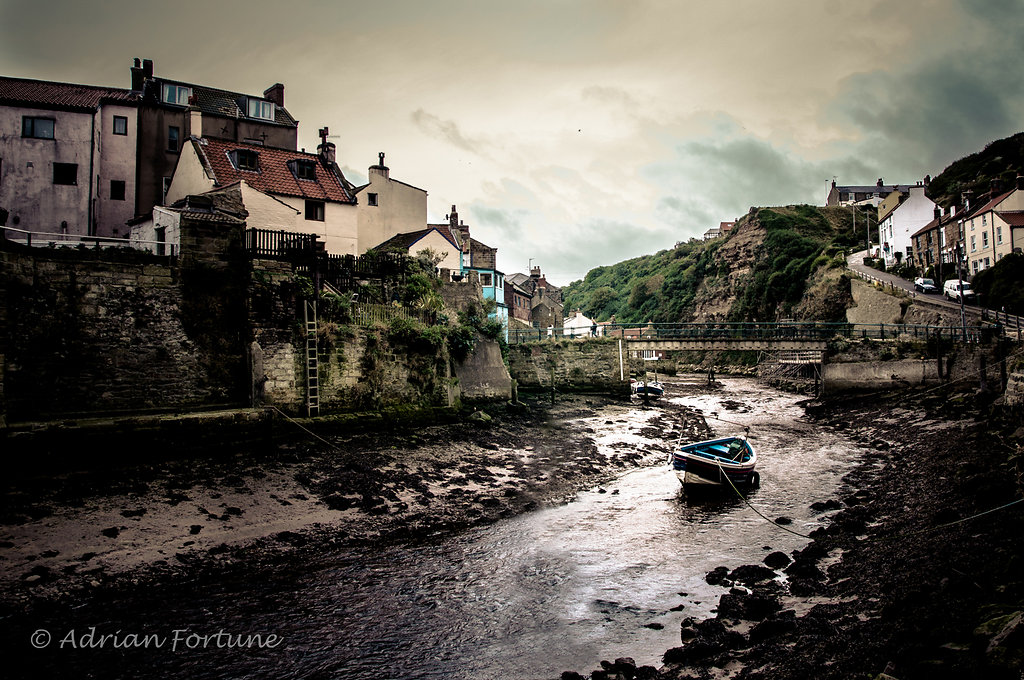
column 956, row 289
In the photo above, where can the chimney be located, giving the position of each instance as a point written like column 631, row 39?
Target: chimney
column 380, row 168
column 147, row 68
column 137, row 78
column 275, row 93
column 927, row 180
column 994, row 187
column 965, row 199
column 535, row 272
column 937, row 212
column 326, row 150
column 1020, row 182
column 879, row 183
column 195, row 118
column 453, row 219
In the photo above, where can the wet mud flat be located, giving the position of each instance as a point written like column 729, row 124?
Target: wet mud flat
column 912, row 577
column 112, row 549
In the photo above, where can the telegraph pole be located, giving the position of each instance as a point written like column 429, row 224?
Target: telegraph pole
column 960, row 277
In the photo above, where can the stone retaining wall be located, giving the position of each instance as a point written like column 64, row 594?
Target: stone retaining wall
column 572, row 364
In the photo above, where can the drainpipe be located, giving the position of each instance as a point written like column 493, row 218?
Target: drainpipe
column 91, row 227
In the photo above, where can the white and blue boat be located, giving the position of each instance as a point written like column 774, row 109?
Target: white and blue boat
column 649, row 389
column 713, row 462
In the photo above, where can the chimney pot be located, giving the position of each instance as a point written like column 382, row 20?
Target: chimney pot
column 879, row 183
column 147, row 68
column 275, row 93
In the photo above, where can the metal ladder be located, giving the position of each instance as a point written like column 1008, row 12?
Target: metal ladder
column 312, row 361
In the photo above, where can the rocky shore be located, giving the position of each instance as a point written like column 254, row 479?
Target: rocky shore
column 917, row 575
column 907, row 579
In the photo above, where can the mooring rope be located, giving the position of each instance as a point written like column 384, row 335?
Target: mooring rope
column 880, row 538
column 305, row 429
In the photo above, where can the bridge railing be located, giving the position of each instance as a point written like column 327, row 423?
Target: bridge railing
column 796, row 330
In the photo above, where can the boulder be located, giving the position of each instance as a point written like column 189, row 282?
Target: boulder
column 751, row 573
column 777, row 560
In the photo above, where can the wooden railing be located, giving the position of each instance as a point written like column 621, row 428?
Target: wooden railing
column 367, row 314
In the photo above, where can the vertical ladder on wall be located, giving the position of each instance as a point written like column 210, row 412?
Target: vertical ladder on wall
column 312, row 362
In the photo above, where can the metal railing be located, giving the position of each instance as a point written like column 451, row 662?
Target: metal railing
column 368, row 314
column 45, row 239
column 740, row 331
column 282, row 245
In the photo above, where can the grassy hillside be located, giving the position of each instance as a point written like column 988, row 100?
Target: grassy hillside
column 1002, row 159
column 761, row 271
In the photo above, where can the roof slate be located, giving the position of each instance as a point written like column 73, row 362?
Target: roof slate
column 62, row 96
column 274, row 176
column 409, row 239
column 216, row 102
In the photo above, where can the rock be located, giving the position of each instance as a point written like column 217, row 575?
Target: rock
column 831, row 504
column 195, row 529
column 881, row 445
column 783, row 520
column 111, row 532
column 717, row 576
column 1006, row 649
column 654, row 625
column 770, row 628
column 33, row 578
column 747, row 606
column 751, row 573
column 478, row 417
column 572, row 675
column 777, row 560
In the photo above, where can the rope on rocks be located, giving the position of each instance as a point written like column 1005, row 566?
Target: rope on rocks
column 305, row 429
column 944, row 525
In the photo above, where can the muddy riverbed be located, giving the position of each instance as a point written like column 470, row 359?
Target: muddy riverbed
column 547, row 539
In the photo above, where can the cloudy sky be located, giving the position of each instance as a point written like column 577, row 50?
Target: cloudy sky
column 577, row 133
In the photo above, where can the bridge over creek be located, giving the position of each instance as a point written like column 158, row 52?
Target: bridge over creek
column 604, row 357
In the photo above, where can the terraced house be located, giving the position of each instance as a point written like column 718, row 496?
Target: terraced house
column 67, row 157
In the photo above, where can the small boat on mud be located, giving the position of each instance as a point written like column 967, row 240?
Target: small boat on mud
column 714, row 461
column 649, row 389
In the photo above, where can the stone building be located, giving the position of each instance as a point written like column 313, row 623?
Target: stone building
column 67, row 157
column 165, row 124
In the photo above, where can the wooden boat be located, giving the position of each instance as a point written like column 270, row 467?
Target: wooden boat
column 651, row 389
column 710, row 462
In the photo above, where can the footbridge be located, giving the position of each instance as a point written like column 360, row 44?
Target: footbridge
column 792, row 336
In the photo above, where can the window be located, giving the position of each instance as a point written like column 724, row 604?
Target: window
column 120, row 125
column 371, row 199
column 984, row 220
column 258, row 108
column 176, row 94
column 999, row 235
column 166, row 188
column 485, row 279
column 984, row 240
column 65, row 173
column 973, row 246
column 304, row 169
column 245, row 159
column 173, row 137
column 37, row 128
column 161, row 239
column 117, row 190
column 315, row 210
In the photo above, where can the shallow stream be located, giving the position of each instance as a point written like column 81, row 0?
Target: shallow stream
column 610, row 574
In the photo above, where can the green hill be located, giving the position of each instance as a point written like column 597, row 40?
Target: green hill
column 760, row 272
column 1002, row 159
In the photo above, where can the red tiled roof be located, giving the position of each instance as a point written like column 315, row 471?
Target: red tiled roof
column 49, row 95
column 446, row 231
column 274, row 175
column 1014, row 218
column 990, row 205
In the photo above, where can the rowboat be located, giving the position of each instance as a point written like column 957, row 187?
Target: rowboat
column 650, row 389
column 714, row 461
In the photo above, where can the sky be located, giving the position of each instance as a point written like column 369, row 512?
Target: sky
column 578, row 133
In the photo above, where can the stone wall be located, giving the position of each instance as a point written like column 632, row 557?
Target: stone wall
column 87, row 331
column 572, row 364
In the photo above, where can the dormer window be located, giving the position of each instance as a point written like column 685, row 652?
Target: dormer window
column 303, row 169
column 260, row 108
column 245, row 159
column 176, row 94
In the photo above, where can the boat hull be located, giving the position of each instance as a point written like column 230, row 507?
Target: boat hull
column 711, row 463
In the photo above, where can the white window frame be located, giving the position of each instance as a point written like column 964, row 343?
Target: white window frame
column 261, row 108
column 175, row 94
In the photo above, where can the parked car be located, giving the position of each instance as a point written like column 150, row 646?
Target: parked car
column 958, row 290
column 923, row 285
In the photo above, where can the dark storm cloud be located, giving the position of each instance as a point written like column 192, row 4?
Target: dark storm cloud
column 924, row 115
column 445, row 130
